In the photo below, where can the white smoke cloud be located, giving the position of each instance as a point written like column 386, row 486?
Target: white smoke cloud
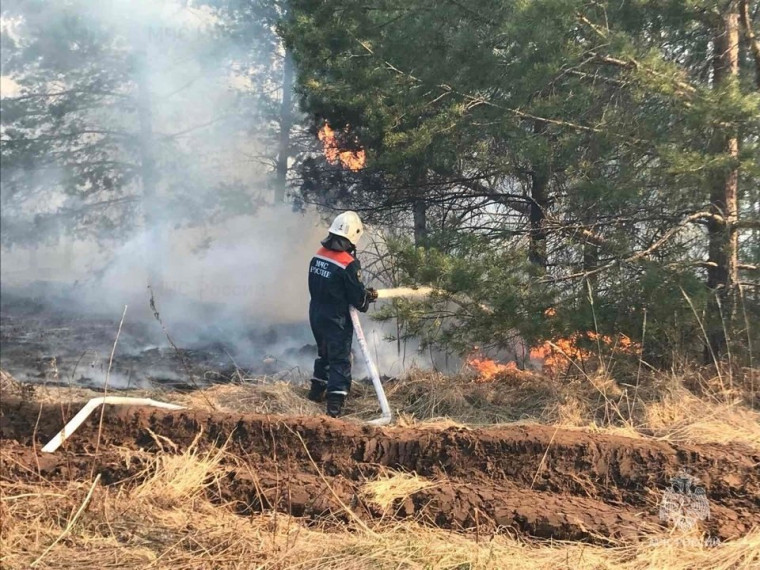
column 216, row 280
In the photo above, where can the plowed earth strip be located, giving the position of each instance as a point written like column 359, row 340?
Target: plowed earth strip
column 529, row 479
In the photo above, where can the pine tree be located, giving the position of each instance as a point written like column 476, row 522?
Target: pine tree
column 595, row 141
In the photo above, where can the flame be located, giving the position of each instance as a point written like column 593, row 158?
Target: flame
column 555, row 356
column 489, row 369
column 353, row 160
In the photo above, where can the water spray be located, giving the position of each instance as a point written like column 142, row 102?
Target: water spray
column 406, row 292
column 419, row 292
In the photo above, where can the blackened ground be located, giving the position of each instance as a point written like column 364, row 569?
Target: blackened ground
column 54, row 340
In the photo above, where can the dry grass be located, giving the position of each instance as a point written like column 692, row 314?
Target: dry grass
column 275, row 398
column 166, row 521
column 686, row 408
column 164, row 518
column 682, row 417
column 173, row 480
column 390, row 487
column 662, row 406
column 8, row 384
column 679, row 408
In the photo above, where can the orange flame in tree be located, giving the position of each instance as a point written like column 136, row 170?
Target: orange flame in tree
column 353, row 160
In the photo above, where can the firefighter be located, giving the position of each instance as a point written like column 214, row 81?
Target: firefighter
column 335, row 283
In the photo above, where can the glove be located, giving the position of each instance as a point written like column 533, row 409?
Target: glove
column 371, row 294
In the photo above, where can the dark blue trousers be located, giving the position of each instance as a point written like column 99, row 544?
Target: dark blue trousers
column 334, row 333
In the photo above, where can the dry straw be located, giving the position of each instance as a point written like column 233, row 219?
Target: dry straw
column 169, row 515
column 168, row 521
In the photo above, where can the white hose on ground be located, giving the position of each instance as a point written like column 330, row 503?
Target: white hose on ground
column 90, row 406
column 386, row 416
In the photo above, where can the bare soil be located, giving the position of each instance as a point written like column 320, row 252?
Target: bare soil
column 528, row 480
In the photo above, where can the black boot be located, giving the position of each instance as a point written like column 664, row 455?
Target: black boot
column 318, row 388
column 335, row 404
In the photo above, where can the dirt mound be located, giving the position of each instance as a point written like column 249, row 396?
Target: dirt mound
column 534, row 480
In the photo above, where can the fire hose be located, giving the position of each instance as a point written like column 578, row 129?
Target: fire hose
column 407, row 292
column 90, row 407
column 386, row 416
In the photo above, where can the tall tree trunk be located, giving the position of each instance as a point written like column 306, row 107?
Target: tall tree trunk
column 148, row 174
column 538, row 204
column 723, row 273
column 34, row 260
column 68, row 253
column 539, row 193
column 419, row 209
column 590, row 258
column 286, row 123
column 419, row 204
column 749, row 32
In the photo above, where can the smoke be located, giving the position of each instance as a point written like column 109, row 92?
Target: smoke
column 171, row 113
column 251, row 266
column 242, row 285
column 225, row 266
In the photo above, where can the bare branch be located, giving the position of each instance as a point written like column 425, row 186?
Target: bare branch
column 632, row 64
column 638, row 256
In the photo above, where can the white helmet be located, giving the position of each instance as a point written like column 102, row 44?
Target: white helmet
column 349, row 226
